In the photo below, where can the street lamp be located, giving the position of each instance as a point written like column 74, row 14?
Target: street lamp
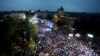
column 70, row 35
column 77, row 35
column 90, row 35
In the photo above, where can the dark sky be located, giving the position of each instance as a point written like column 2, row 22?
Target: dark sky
column 51, row 5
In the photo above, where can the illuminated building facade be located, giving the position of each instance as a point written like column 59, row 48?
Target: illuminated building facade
column 61, row 16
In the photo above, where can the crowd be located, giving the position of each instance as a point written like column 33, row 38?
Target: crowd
column 54, row 43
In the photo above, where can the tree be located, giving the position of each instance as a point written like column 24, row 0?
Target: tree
column 12, row 30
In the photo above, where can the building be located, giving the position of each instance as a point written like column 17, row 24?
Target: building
column 63, row 18
column 60, row 12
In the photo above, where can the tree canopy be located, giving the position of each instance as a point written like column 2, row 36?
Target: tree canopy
column 13, row 29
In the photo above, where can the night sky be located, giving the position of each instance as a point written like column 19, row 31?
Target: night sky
column 51, row 5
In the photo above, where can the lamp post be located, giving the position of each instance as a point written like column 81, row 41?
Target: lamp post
column 90, row 36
